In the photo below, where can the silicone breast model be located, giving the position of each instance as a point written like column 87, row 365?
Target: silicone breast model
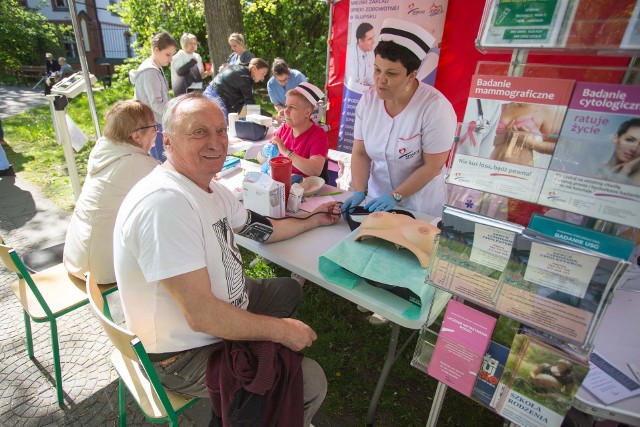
column 405, row 232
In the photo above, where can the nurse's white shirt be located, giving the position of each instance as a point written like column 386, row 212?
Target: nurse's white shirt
column 396, row 144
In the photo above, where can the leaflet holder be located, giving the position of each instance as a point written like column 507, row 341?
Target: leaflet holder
column 61, row 93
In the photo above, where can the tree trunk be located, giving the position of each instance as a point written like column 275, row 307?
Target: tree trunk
column 222, row 17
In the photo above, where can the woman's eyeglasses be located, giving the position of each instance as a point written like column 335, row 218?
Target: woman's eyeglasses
column 147, row 127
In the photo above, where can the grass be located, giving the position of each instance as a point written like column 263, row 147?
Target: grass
column 350, row 350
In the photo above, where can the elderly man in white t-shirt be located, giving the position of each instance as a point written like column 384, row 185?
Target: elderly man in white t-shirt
column 178, row 267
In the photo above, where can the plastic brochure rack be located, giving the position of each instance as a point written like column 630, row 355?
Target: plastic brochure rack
column 549, row 281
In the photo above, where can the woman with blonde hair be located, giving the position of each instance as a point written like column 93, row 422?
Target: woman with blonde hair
column 117, row 162
column 240, row 54
column 187, row 69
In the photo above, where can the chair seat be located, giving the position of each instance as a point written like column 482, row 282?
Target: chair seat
column 142, row 390
column 61, row 291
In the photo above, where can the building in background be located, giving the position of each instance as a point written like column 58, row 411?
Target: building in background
column 107, row 40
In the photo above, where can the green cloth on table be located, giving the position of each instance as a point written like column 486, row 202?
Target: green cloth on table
column 376, row 259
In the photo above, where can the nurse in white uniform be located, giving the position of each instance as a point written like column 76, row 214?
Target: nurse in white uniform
column 404, row 129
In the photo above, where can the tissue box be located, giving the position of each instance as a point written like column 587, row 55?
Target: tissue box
column 263, row 195
column 260, row 119
column 295, row 198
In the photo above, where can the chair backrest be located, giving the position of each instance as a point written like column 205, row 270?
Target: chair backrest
column 12, row 261
column 145, row 385
column 121, row 338
column 7, row 260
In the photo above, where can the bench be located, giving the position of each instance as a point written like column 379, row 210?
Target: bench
column 31, row 73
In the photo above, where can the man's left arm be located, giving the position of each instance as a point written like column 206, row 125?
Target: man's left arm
column 283, row 229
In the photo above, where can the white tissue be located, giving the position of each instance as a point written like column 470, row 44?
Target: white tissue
column 295, row 198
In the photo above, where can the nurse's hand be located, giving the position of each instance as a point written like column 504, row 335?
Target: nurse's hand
column 351, row 202
column 382, row 203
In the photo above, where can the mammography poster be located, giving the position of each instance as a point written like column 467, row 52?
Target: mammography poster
column 510, row 129
column 365, row 22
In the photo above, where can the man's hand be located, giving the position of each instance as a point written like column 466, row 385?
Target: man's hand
column 332, row 213
column 297, row 335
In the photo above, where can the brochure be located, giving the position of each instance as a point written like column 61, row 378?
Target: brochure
column 490, row 372
column 598, row 24
column 557, row 288
column 541, row 385
column 608, row 383
column 470, row 254
column 523, row 23
column 595, row 169
column 587, row 238
column 461, row 345
column 631, row 38
column 506, row 150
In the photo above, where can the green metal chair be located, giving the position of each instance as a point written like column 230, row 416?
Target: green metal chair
column 45, row 296
column 135, row 370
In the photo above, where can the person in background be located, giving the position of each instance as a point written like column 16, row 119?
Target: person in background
column 5, row 167
column 151, row 85
column 299, row 138
column 187, row 69
column 117, row 162
column 240, row 54
column 52, row 69
column 366, row 40
column 282, row 80
column 2, row 141
column 65, row 69
column 232, row 88
column 179, row 270
column 403, row 130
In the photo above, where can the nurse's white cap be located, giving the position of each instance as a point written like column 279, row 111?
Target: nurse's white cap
column 407, row 34
column 310, row 91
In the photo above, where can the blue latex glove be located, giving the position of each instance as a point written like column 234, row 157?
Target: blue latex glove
column 351, row 202
column 266, row 168
column 269, row 151
column 382, row 203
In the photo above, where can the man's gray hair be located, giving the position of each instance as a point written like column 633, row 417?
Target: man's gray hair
column 169, row 119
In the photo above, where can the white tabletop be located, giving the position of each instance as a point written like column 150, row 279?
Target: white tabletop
column 251, row 147
column 301, row 254
column 618, row 341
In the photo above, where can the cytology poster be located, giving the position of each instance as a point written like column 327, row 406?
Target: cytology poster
column 365, row 21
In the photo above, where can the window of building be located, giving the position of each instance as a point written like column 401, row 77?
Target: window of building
column 70, row 49
column 128, row 42
column 59, row 5
column 85, row 35
column 113, row 3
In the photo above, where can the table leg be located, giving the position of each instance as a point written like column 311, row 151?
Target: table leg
column 436, row 405
column 388, row 362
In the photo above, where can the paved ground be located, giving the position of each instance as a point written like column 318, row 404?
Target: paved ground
column 14, row 100
column 29, row 223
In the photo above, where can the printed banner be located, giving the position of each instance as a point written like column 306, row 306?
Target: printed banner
column 365, row 21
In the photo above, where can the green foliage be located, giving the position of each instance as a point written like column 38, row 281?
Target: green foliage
column 36, row 154
column 26, row 35
column 148, row 17
column 295, row 30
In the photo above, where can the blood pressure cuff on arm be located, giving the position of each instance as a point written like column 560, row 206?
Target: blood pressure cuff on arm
column 257, row 227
